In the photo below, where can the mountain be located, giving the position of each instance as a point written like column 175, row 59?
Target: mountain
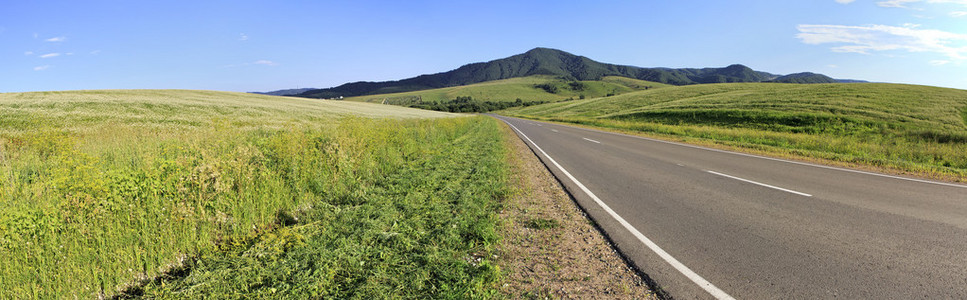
column 850, row 81
column 288, row 92
column 805, row 77
column 545, row 61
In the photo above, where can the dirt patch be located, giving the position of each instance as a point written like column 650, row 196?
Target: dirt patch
column 550, row 248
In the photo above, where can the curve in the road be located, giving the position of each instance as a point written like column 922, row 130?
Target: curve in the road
column 694, row 277
column 760, row 227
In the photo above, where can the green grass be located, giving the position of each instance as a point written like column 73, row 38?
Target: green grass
column 177, row 194
column 514, row 88
column 918, row 129
column 635, row 84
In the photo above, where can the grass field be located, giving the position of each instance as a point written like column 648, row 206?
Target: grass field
column 196, row 193
column 514, row 88
column 916, row 129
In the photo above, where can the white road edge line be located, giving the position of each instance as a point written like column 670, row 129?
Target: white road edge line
column 777, row 159
column 554, row 130
column 590, row 140
column 704, row 284
column 760, row 184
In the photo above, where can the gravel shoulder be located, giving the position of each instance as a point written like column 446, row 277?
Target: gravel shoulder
column 551, row 249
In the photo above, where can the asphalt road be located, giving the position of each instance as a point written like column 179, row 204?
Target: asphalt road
column 717, row 224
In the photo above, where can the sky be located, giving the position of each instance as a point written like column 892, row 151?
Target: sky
column 251, row 45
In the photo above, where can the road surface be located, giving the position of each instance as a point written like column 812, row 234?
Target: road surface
column 707, row 223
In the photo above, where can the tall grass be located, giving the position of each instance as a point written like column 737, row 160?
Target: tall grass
column 915, row 129
column 236, row 199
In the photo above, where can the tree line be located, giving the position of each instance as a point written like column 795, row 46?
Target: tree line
column 466, row 104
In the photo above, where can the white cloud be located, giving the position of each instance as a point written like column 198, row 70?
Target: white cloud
column 55, row 39
column 958, row 14
column 844, row 1
column 49, row 55
column 832, row 66
column 960, row 2
column 902, row 3
column 28, row 53
column 896, row 3
column 242, row 37
column 939, row 62
column 870, row 38
column 41, row 68
column 95, row 52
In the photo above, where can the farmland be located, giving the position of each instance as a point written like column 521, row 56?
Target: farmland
column 167, row 193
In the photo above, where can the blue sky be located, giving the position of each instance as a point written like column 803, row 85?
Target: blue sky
column 247, row 45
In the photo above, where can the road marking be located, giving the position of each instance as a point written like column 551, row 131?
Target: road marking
column 778, row 159
column 554, row 130
column 694, row 277
column 760, row 184
column 590, row 140
column 680, row 165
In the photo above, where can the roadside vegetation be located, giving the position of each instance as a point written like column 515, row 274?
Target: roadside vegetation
column 915, row 129
column 186, row 194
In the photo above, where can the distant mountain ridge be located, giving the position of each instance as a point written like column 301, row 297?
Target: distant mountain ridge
column 287, row 92
column 806, row 77
column 546, row 61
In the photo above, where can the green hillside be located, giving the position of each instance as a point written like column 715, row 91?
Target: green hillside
column 529, row 89
column 200, row 194
column 913, row 128
column 556, row 63
column 804, row 77
column 90, row 110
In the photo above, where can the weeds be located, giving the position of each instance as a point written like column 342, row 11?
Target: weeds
column 246, row 204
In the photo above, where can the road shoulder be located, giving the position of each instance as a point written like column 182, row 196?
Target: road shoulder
column 551, row 249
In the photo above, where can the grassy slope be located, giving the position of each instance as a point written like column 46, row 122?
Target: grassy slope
column 83, row 110
column 511, row 89
column 242, row 195
column 912, row 128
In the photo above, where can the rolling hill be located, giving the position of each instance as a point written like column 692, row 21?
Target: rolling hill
column 806, row 77
column 531, row 88
column 89, row 110
column 556, row 63
column 286, row 92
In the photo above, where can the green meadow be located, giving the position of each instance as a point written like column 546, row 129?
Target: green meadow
column 189, row 194
column 915, row 129
column 532, row 88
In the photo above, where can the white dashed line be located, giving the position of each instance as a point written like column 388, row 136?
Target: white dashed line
column 760, row 184
column 701, row 282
